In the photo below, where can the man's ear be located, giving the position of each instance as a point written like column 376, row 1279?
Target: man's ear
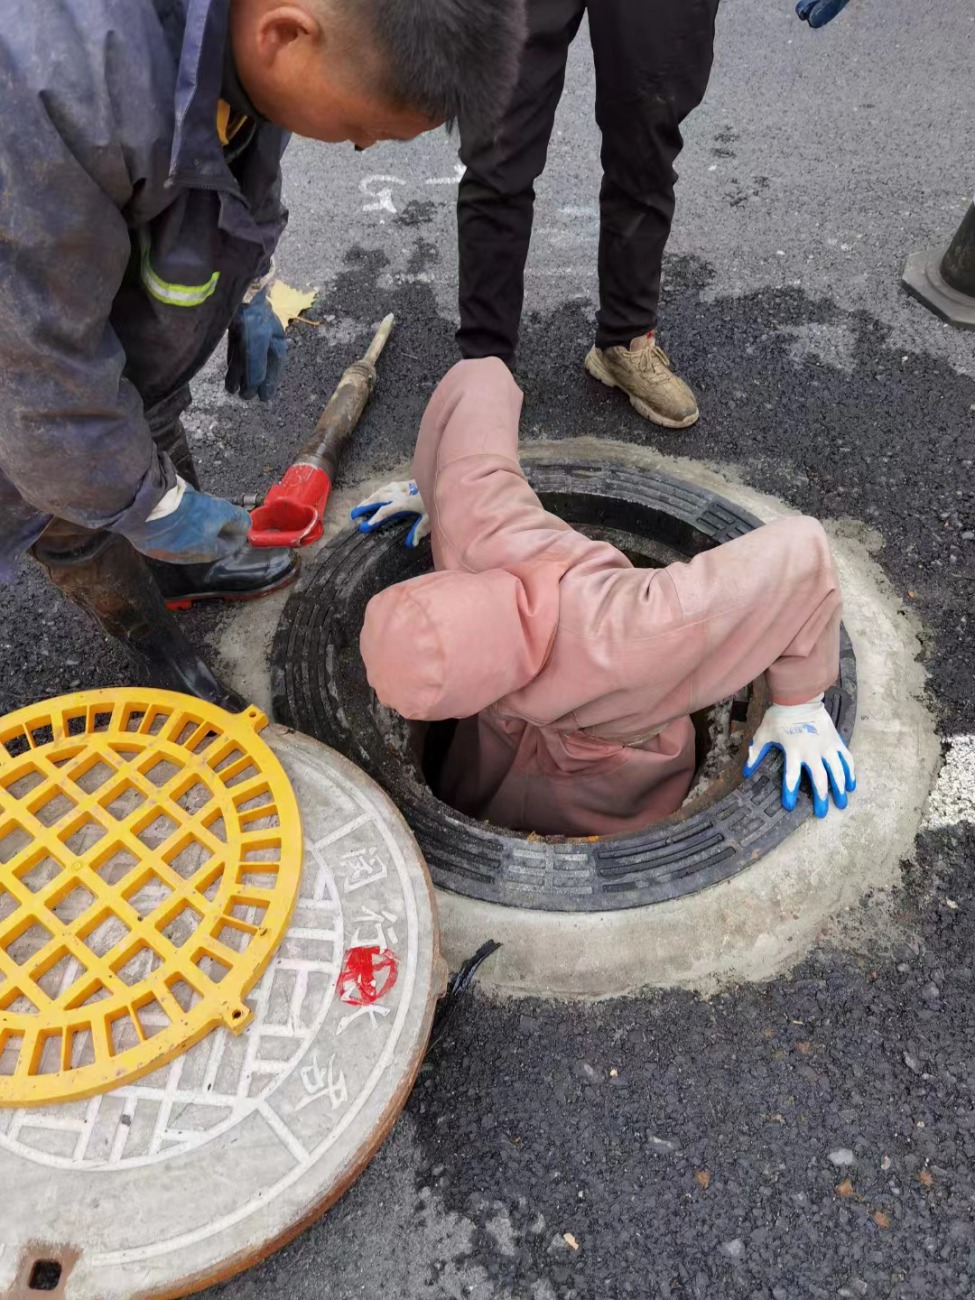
column 280, row 26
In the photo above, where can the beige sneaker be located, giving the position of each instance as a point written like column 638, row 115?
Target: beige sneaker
column 644, row 372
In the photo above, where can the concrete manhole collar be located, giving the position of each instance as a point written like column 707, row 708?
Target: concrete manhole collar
column 320, row 687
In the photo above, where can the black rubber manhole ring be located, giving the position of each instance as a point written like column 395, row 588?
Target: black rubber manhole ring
column 320, row 687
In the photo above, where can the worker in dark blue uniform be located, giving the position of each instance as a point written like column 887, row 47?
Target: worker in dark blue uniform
column 139, row 208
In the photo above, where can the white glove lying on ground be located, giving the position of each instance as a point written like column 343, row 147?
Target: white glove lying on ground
column 808, row 739
column 392, row 503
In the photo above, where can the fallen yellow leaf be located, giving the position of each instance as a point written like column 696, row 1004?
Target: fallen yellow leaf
column 704, row 1178
column 845, row 1188
column 288, row 303
column 925, row 1178
column 570, row 1241
column 880, row 1219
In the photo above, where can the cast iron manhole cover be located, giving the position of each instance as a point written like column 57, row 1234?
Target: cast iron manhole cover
column 203, row 1166
column 320, row 687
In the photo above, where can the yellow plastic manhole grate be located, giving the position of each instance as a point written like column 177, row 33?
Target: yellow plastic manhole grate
column 150, row 855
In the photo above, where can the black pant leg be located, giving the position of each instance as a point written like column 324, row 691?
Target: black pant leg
column 174, row 443
column 496, row 196
column 169, row 435
column 653, row 60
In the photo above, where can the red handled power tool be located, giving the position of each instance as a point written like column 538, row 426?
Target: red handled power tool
column 291, row 513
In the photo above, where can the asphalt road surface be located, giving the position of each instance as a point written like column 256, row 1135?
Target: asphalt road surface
column 815, row 1136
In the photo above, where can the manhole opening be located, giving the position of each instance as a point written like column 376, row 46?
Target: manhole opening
column 45, row 1275
column 724, row 826
column 720, row 733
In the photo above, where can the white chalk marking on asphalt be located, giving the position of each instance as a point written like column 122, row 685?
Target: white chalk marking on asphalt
column 383, row 196
column 953, row 797
column 561, row 272
column 457, row 177
column 556, row 235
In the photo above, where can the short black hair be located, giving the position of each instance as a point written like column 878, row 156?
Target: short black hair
column 452, row 60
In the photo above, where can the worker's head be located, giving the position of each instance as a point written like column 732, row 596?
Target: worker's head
column 448, row 644
column 368, row 70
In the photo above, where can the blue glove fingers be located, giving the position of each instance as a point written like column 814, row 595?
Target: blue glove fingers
column 369, row 527
column 820, row 801
column 367, row 511
column 790, row 794
column 825, row 12
column 277, row 359
column 839, row 794
column 411, row 538
column 817, row 13
column 851, row 781
column 838, row 773
column 255, row 377
column 752, row 768
column 256, row 349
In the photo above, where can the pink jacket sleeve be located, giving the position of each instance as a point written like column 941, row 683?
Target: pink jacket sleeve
column 483, row 512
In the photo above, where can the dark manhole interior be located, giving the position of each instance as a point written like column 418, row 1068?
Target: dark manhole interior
column 45, row 1275
column 725, row 824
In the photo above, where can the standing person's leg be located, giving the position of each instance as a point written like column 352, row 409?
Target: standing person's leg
column 104, row 575
column 496, row 196
column 653, row 61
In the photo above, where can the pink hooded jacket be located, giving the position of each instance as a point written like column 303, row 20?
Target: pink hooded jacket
column 574, row 673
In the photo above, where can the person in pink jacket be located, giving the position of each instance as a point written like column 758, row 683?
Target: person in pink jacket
column 574, row 674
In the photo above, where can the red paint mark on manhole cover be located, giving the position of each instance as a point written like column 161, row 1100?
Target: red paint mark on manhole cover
column 367, row 975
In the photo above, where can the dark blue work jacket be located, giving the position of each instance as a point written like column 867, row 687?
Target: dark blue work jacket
column 128, row 237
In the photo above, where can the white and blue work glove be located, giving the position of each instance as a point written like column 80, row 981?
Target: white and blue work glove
column 256, row 350
column 809, row 741
column 191, row 527
column 392, row 503
column 817, row 13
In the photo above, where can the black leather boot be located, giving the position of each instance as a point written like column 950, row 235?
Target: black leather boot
column 252, row 572
column 111, row 581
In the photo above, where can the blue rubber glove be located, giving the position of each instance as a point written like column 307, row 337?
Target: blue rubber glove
column 256, row 350
column 389, row 505
column 817, row 13
column 191, row 527
column 810, row 743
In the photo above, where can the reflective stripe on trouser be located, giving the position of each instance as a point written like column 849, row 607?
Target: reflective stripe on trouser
column 175, row 295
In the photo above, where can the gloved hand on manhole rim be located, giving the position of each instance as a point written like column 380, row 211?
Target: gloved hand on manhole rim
column 809, row 741
column 389, row 505
column 817, row 13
